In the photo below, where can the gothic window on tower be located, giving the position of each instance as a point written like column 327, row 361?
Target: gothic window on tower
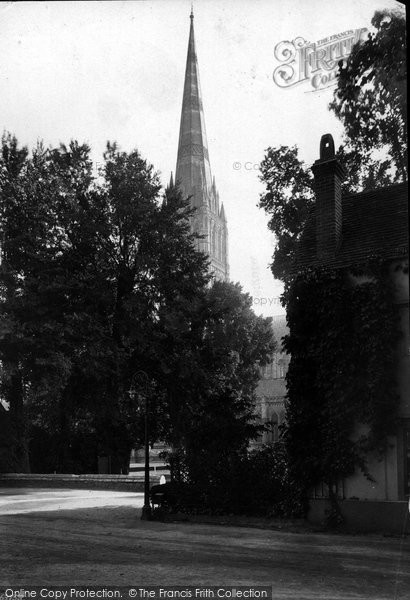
column 213, row 241
column 275, row 369
column 267, row 371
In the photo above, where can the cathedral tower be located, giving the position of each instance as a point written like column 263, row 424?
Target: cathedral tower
column 193, row 171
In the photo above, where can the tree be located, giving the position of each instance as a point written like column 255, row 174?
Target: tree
column 158, row 277
column 101, row 282
column 45, row 277
column 212, row 397
column 93, row 277
column 287, row 200
column 371, row 94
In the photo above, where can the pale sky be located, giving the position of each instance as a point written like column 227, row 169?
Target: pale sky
column 98, row 71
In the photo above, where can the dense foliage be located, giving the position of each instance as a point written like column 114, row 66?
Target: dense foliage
column 104, row 302
column 342, row 397
column 86, row 270
column 212, row 399
column 371, row 96
column 257, row 483
column 287, row 199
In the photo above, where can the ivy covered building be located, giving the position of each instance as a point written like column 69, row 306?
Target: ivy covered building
column 349, row 384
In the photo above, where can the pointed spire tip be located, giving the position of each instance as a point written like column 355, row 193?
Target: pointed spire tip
column 191, row 16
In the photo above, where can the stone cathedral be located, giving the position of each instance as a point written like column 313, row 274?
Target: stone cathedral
column 193, row 170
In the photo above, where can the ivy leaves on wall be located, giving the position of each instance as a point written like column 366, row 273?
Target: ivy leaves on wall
column 342, row 401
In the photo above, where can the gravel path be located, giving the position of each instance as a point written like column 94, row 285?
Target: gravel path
column 97, row 538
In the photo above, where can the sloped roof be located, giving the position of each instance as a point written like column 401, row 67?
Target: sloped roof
column 373, row 223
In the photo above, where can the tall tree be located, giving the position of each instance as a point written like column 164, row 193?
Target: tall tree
column 212, row 396
column 371, row 94
column 36, row 200
column 106, row 300
column 287, row 200
column 94, row 276
column 157, row 276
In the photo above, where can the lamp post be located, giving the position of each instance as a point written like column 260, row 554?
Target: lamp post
column 146, row 509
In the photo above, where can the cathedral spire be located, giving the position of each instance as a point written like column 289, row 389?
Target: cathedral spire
column 193, row 170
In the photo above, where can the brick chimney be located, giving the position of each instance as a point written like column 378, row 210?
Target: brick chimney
column 329, row 174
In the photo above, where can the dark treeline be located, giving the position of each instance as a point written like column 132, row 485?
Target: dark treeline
column 104, row 300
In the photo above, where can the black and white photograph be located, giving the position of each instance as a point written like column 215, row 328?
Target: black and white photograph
column 204, row 300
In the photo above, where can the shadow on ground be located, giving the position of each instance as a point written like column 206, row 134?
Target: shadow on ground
column 111, row 546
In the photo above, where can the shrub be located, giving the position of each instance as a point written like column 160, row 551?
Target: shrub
column 256, row 483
